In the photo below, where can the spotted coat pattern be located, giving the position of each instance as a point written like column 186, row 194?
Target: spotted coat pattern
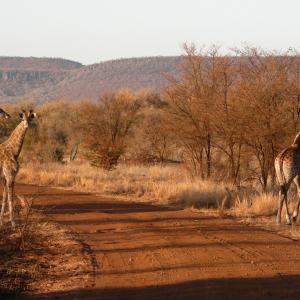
column 9, row 164
column 287, row 168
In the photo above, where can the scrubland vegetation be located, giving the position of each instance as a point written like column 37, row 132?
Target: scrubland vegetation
column 165, row 185
column 209, row 139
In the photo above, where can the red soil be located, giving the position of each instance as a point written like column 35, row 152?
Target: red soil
column 142, row 251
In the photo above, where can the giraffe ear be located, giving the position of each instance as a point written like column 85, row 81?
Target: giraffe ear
column 4, row 114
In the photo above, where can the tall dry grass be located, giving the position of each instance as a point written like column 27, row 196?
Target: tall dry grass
column 264, row 204
column 163, row 185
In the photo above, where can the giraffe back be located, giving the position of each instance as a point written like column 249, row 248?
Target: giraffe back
column 287, row 164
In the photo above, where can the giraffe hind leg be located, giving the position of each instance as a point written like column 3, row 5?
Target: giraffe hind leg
column 285, row 189
column 284, row 199
column 296, row 210
column 282, row 196
column 288, row 216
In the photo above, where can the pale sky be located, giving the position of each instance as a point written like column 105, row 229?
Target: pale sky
column 91, row 31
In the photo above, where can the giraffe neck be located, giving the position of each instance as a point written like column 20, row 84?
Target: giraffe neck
column 15, row 141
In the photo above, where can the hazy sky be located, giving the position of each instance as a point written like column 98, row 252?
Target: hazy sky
column 90, row 31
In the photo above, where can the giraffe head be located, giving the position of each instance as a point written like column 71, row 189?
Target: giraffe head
column 4, row 114
column 27, row 116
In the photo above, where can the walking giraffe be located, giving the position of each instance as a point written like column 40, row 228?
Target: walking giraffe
column 287, row 167
column 9, row 165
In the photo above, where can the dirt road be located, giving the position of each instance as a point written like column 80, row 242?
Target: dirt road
column 141, row 251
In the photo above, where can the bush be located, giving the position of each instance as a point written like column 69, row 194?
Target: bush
column 106, row 127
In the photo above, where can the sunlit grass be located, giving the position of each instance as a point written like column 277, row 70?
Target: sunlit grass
column 163, row 185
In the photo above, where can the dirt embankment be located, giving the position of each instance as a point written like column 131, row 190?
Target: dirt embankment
column 141, row 251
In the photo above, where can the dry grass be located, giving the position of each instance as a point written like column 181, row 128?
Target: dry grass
column 170, row 184
column 264, row 204
column 163, row 185
column 47, row 254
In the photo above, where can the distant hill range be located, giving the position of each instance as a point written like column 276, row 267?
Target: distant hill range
column 43, row 79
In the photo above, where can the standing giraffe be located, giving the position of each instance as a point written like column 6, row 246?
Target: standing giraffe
column 287, row 167
column 9, row 165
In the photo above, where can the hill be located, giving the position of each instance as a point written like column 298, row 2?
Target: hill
column 27, row 78
column 37, row 64
column 43, row 79
column 135, row 73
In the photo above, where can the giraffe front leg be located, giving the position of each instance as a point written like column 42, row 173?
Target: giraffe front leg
column 4, row 198
column 10, row 187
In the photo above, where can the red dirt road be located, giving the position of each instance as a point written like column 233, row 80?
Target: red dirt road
column 142, row 251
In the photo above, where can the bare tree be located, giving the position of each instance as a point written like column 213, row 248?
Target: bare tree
column 107, row 125
column 190, row 105
column 267, row 89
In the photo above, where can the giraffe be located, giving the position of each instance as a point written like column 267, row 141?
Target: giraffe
column 287, row 168
column 9, row 165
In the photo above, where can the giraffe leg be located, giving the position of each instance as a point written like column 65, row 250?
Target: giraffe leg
column 296, row 210
column 4, row 198
column 287, row 214
column 10, row 188
column 282, row 196
column 285, row 199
